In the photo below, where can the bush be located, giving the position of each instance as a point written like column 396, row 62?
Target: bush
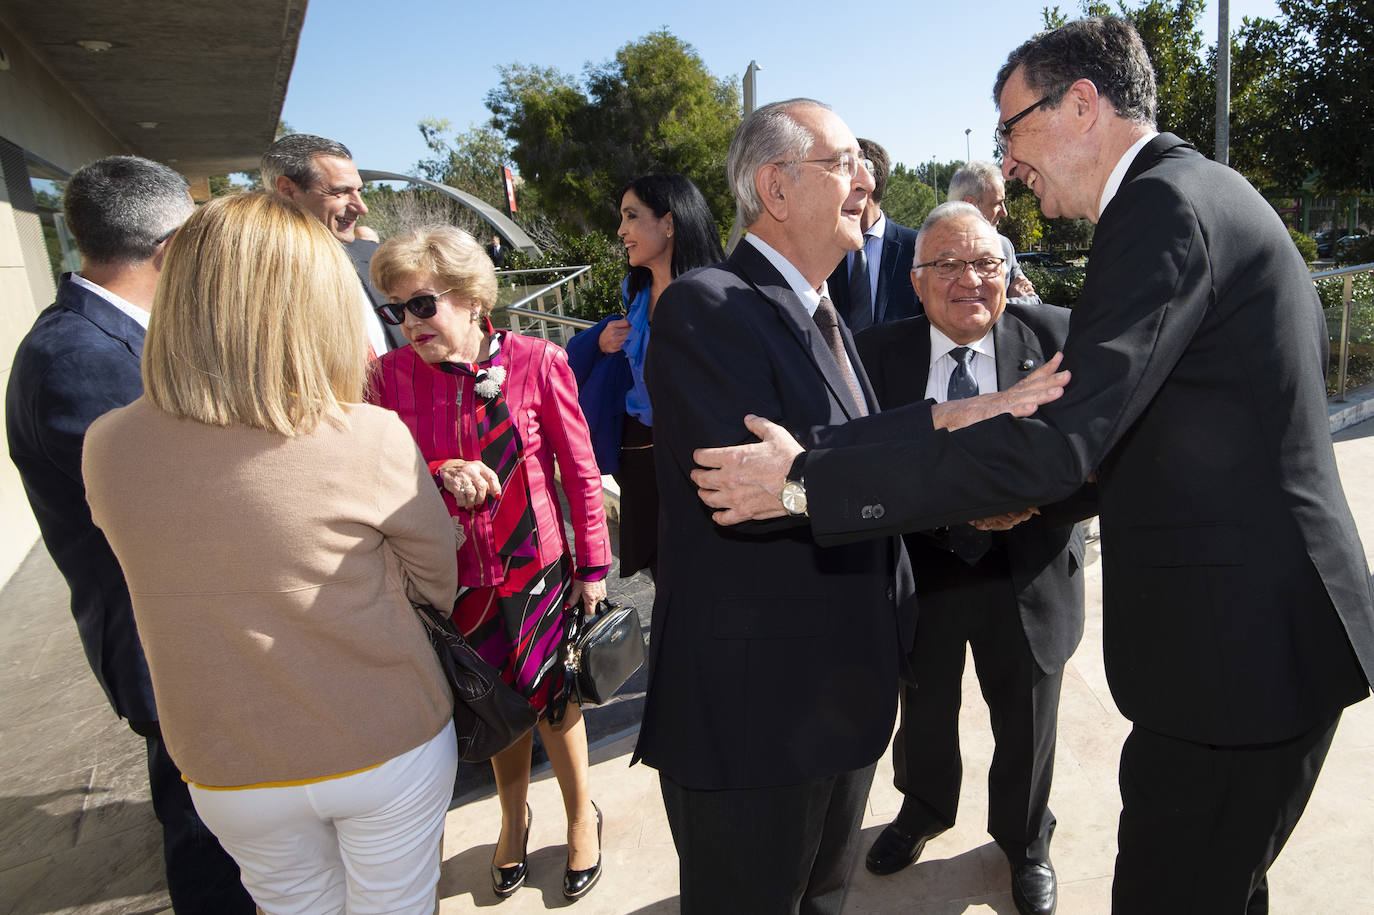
column 1307, row 246
column 1055, row 287
column 598, row 291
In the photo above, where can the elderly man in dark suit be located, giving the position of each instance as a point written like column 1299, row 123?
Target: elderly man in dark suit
column 1014, row 596
column 1237, row 610
column 774, row 662
column 869, row 286
column 79, row 361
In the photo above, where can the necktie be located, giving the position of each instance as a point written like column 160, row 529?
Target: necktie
column 860, row 300
column 967, row 542
column 828, row 323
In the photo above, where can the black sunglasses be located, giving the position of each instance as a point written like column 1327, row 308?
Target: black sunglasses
column 422, row 306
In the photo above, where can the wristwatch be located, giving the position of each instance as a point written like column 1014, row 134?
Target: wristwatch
column 794, row 490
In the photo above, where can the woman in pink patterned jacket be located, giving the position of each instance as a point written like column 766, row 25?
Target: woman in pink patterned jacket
column 493, row 413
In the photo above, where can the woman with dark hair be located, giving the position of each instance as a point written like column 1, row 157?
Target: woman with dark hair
column 667, row 229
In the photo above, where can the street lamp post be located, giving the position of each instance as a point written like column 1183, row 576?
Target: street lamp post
column 968, row 151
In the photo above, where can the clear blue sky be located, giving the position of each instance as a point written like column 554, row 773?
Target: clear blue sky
column 910, row 75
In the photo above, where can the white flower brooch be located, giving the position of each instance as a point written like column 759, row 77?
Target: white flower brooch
column 489, row 381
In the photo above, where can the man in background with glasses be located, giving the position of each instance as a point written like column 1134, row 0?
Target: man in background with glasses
column 871, row 285
column 1014, row 595
column 319, row 176
column 1237, row 609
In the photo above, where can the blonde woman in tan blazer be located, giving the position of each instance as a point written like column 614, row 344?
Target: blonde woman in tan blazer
column 270, row 525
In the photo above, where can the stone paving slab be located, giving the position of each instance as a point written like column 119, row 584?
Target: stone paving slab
column 77, row 832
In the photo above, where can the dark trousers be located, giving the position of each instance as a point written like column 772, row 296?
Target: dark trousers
column 767, row 851
column 201, row 877
column 1200, row 825
column 976, row 606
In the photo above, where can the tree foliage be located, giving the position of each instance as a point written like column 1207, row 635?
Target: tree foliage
column 471, row 161
column 907, row 199
column 654, row 107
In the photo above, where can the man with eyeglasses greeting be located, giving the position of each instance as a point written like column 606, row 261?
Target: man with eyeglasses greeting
column 318, row 175
column 1014, row 595
column 1237, row 609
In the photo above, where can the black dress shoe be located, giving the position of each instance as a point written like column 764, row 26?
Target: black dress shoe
column 1033, row 888
column 895, row 849
column 506, row 880
column 577, row 884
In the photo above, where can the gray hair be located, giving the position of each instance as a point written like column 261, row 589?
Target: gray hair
column 975, row 179
column 120, row 208
column 294, row 156
column 1106, row 51
column 950, row 209
column 768, row 134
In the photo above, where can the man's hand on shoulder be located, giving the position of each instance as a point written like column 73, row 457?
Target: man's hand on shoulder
column 744, row 482
column 1022, row 399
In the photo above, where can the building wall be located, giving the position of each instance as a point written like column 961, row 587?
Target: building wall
column 38, row 117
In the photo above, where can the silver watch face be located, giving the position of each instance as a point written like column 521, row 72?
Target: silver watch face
column 794, row 497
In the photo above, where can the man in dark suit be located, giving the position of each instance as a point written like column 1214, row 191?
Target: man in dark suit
column 870, row 285
column 318, row 174
column 774, row 662
column 1015, row 596
column 1236, row 598
column 79, row 361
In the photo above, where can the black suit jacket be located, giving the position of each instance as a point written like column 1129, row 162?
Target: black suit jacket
column 896, row 297
column 772, row 660
column 360, row 252
column 1044, row 554
column 1236, row 601
column 79, row 361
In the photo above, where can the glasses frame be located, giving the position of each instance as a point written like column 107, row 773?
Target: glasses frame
column 996, row 269
column 1004, row 128
column 394, row 313
column 839, row 159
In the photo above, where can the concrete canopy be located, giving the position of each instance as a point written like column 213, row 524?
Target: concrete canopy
column 211, row 75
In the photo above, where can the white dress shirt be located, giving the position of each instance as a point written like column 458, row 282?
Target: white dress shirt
column 942, row 365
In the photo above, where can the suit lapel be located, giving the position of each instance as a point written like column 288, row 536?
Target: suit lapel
column 886, row 270
column 750, row 264
column 1018, row 351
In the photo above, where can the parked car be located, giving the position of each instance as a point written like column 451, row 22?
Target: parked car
column 1328, row 240
column 1045, row 260
column 1355, row 249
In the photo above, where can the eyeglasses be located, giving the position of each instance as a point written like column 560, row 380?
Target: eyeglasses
column 846, row 164
column 422, row 306
column 989, row 268
column 1004, row 128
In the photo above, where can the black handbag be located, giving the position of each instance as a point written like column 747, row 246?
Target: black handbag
column 602, row 651
column 488, row 715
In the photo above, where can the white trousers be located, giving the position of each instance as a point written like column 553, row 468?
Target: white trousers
column 363, row 843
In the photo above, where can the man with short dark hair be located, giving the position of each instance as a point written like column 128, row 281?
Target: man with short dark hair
column 79, row 361
column 871, row 285
column 1237, row 611
column 318, row 174
column 981, row 184
column 1014, row 596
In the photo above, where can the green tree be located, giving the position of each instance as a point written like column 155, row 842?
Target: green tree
column 471, row 161
column 907, row 199
column 654, row 107
column 1023, row 223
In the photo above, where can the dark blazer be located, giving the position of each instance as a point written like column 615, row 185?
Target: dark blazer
column 896, row 297
column 79, row 361
column 773, row 661
column 360, row 252
column 1237, row 604
column 1044, row 555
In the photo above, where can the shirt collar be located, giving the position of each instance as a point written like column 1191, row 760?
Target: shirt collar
column 810, row 298
column 140, row 315
column 940, row 345
column 878, row 228
column 1119, row 173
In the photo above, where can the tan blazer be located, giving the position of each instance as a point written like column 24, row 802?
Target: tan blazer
column 268, row 577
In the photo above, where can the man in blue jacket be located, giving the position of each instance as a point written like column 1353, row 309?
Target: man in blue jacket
column 79, row 361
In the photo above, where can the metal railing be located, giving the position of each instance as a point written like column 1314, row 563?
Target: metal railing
column 1347, row 275
column 540, row 313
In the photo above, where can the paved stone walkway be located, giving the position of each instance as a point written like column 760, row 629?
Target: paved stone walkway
column 77, row 832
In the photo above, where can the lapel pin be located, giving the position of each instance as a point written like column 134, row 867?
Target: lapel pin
column 1027, row 365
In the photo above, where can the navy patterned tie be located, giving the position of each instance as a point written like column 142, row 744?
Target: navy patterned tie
column 967, row 542
column 860, row 299
column 828, row 323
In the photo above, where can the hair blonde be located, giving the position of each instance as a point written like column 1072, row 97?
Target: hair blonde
column 453, row 257
column 256, row 319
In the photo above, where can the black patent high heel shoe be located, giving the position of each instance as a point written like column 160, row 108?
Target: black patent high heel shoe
column 506, row 880
column 577, row 884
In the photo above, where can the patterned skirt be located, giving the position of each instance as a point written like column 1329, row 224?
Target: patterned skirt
column 519, row 626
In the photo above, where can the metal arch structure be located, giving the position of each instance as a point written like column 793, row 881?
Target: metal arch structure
column 500, row 222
